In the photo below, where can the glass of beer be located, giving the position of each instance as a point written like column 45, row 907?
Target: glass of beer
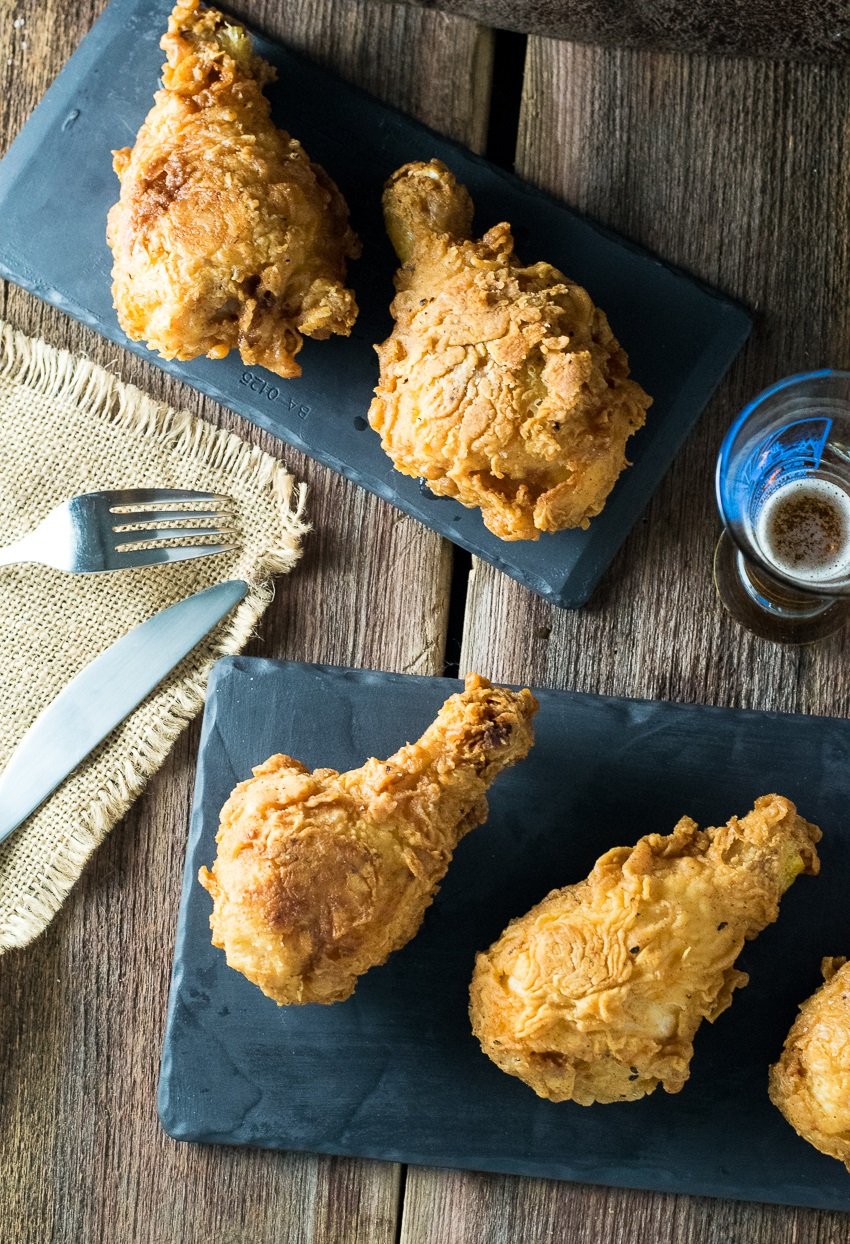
column 782, row 565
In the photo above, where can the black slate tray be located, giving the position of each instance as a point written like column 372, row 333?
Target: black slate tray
column 56, row 185
column 395, row 1072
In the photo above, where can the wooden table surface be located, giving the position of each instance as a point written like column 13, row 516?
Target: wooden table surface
column 734, row 169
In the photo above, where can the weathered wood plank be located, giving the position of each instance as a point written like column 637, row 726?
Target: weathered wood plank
column 468, row 1207
column 736, row 170
column 81, row 1011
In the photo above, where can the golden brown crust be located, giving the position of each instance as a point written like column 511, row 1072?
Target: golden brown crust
column 501, row 385
column 226, row 235
column 320, row 876
column 596, row 994
column 810, row 1083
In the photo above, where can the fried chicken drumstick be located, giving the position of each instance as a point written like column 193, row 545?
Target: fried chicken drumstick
column 320, row 876
column 501, row 386
column 810, row 1083
column 596, row 994
column 226, row 236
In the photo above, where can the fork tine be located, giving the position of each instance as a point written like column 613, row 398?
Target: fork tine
column 165, row 516
column 150, row 496
column 124, row 538
column 158, row 557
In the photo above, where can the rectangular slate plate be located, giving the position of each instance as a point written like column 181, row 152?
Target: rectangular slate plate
column 57, row 184
column 395, row 1072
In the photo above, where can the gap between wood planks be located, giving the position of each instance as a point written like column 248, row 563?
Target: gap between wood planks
column 509, row 51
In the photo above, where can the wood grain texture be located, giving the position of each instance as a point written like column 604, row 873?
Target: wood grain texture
column 732, row 169
column 82, row 1158
column 737, row 171
column 807, row 30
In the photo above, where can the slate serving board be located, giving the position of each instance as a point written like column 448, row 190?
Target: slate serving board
column 57, row 184
column 395, row 1072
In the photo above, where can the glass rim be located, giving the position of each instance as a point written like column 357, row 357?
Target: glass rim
column 752, row 554
column 777, row 387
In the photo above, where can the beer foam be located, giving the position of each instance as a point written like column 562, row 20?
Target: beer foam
column 803, row 529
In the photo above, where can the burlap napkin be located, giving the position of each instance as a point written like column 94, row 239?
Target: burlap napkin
column 68, row 426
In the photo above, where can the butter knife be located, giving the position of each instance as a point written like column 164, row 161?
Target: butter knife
column 102, row 695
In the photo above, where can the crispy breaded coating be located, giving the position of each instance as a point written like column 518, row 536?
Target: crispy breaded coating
column 226, row 236
column 320, row 876
column 596, row 994
column 500, row 386
column 810, row 1083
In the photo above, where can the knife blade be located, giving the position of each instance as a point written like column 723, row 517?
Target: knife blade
column 102, row 695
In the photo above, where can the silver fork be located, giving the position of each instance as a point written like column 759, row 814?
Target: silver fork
column 88, row 534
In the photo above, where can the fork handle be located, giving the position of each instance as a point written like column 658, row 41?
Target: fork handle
column 14, row 554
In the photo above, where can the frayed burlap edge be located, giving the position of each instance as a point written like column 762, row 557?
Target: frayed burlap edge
column 39, row 907
column 55, row 373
